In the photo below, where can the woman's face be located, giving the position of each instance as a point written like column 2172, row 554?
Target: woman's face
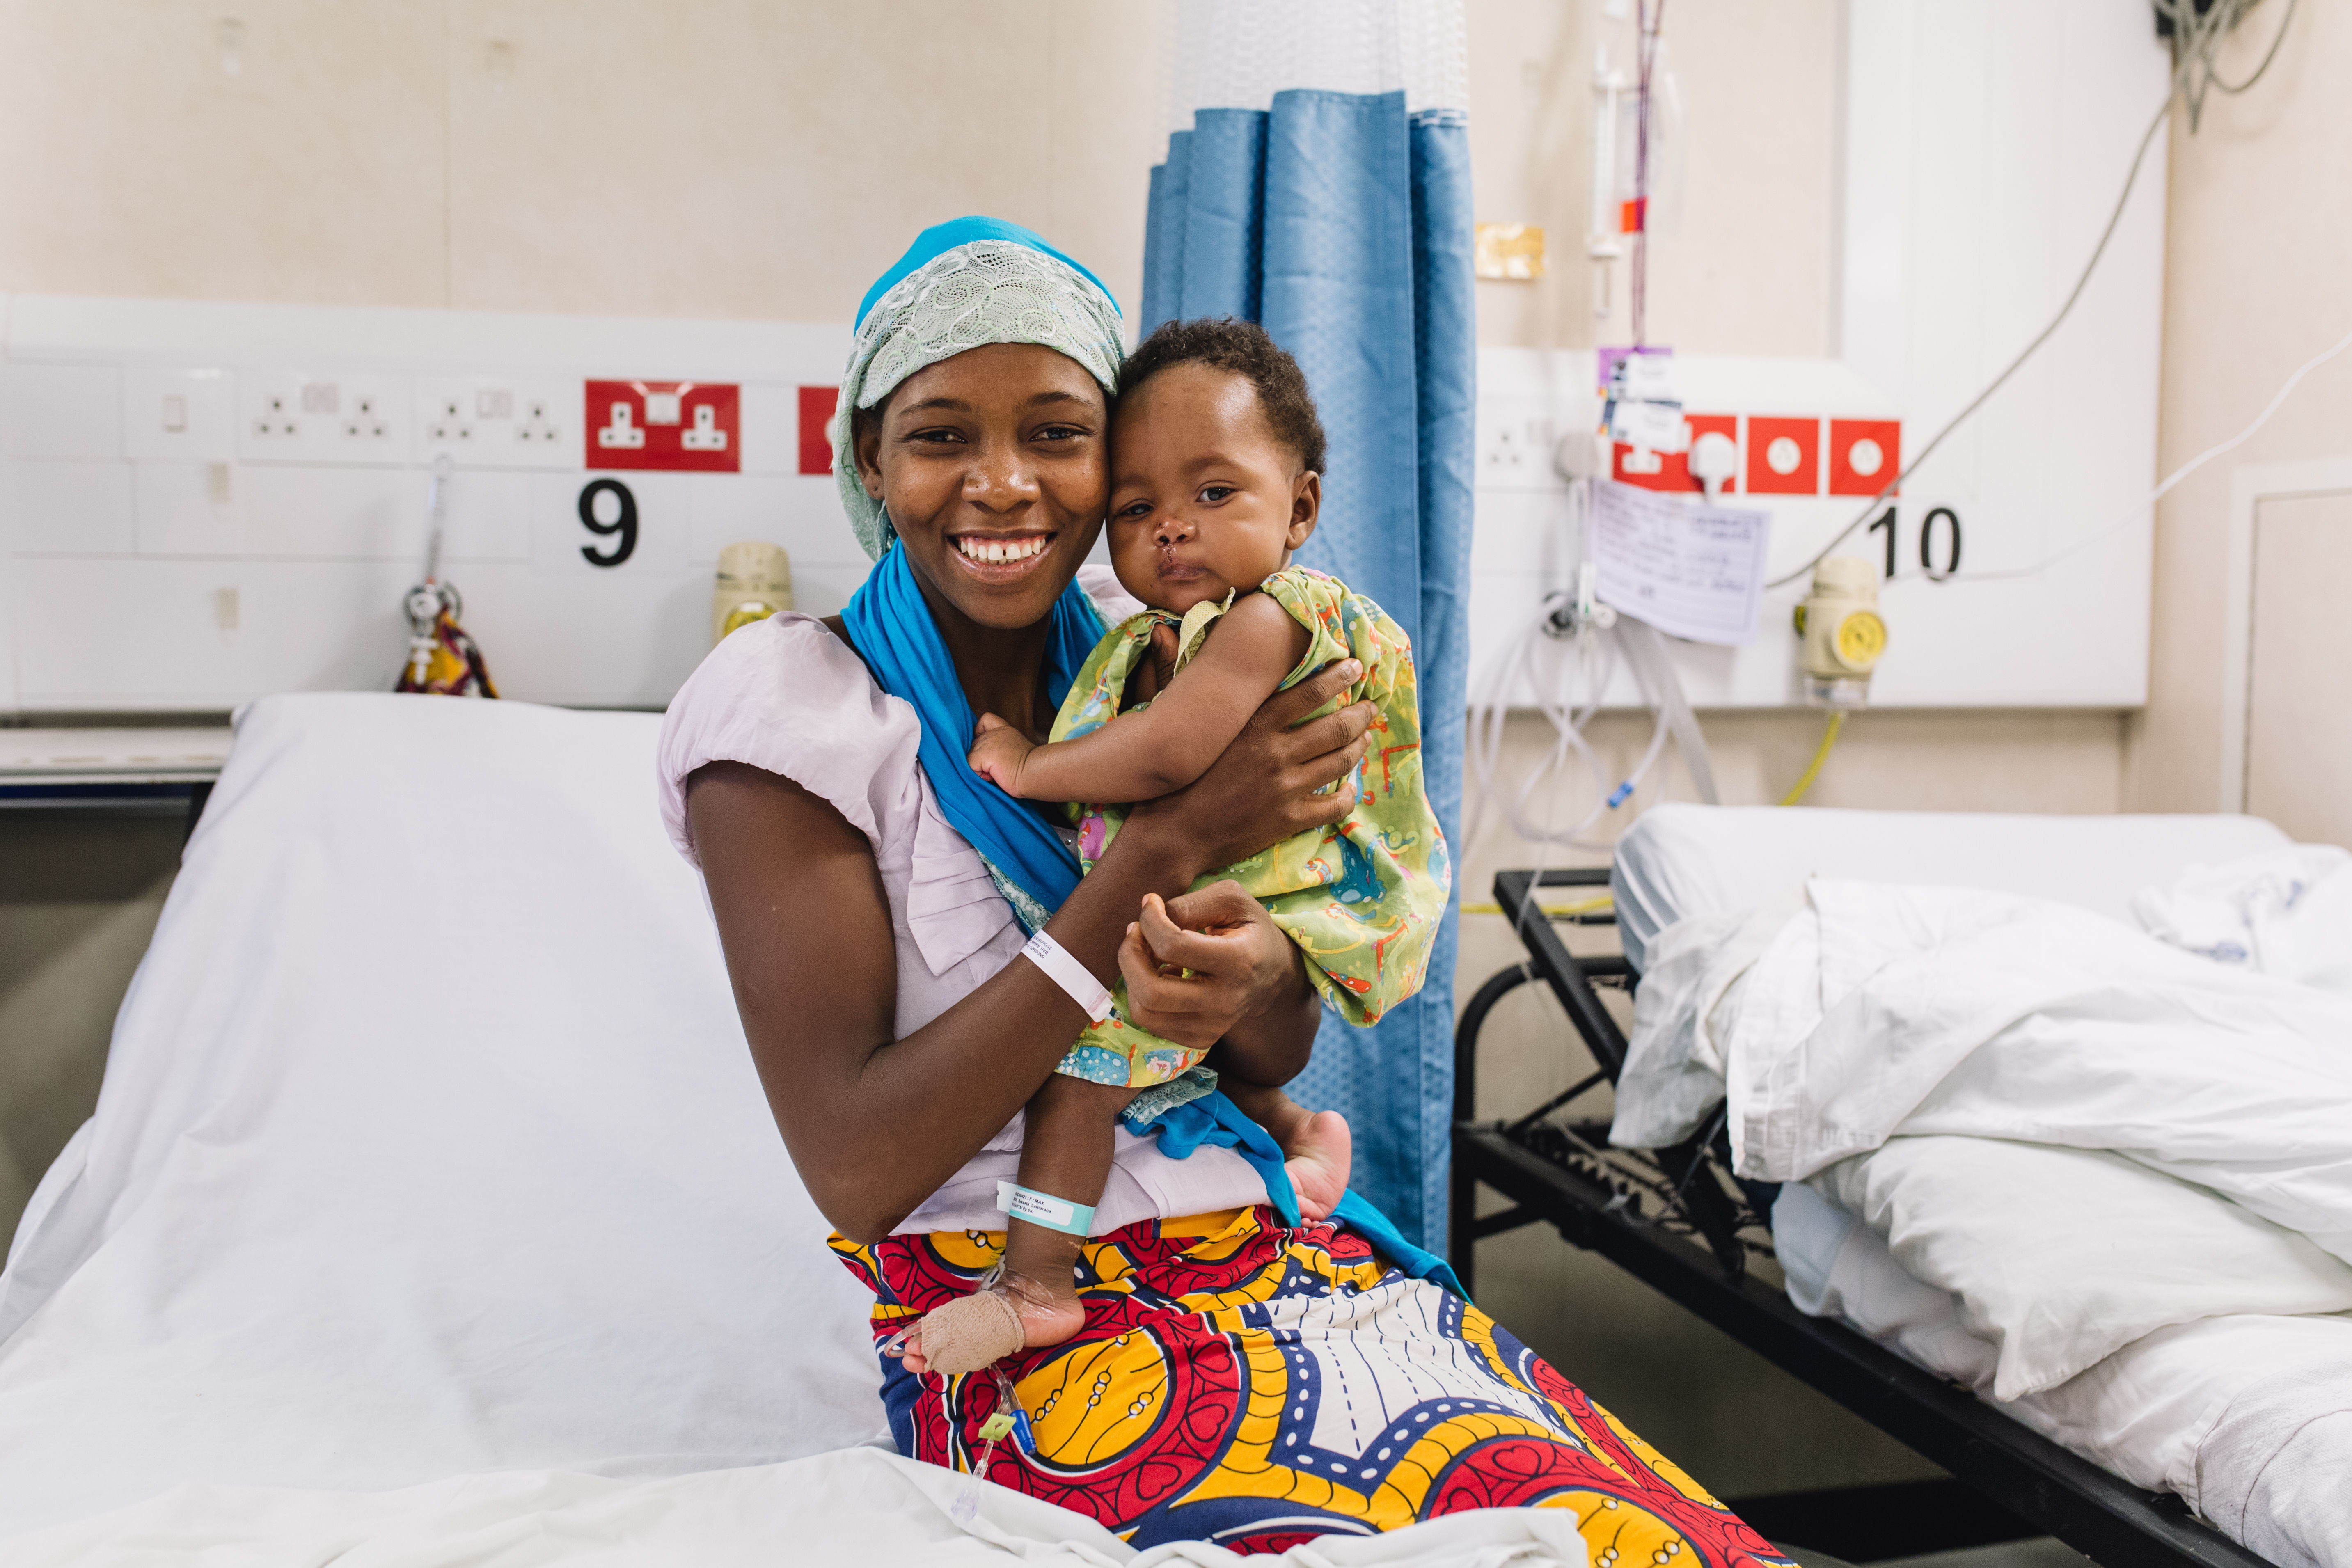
column 995, row 466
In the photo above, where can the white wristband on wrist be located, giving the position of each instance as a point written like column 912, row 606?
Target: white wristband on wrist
column 1043, row 1208
column 1072, row 976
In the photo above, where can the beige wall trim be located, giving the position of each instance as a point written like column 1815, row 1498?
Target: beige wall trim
column 2249, row 486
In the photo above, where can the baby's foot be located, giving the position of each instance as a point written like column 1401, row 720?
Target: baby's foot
column 1321, row 1150
column 1048, row 1320
column 983, row 1328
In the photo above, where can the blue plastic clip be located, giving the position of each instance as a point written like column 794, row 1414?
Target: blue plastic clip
column 1617, row 796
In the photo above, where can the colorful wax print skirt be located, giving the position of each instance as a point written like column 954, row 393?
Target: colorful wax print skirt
column 1363, row 899
column 1257, row 1385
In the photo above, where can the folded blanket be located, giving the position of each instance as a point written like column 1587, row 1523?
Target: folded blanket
column 2082, row 1133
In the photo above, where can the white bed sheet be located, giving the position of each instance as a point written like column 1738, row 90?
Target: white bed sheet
column 1682, row 861
column 856, row 1506
column 2245, row 1415
column 2249, row 1417
column 370, row 1198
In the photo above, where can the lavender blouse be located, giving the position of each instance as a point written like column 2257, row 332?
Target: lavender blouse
column 789, row 696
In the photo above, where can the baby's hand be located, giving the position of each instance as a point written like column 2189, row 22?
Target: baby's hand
column 998, row 751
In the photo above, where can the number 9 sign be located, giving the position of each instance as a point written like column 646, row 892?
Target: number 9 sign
column 625, row 521
column 611, row 525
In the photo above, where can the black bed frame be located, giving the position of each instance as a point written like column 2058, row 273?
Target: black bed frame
column 1683, row 1224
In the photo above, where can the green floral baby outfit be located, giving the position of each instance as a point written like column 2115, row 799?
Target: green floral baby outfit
column 1362, row 898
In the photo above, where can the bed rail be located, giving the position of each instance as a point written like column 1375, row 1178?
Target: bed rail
column 1682, row 1224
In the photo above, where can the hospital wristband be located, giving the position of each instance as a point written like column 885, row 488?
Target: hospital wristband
column 1071, row 975
column 1038, row 1208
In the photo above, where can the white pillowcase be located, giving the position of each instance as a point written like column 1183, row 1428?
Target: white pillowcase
column 2060, row 1257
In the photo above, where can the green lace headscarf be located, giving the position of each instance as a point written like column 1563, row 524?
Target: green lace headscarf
column 961, row 285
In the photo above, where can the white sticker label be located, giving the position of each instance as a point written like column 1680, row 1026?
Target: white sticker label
column 1650, row 427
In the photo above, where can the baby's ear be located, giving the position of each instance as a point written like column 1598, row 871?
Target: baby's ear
column 1306, row 505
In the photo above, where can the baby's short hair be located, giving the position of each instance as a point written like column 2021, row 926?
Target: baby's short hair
column 1244, row 348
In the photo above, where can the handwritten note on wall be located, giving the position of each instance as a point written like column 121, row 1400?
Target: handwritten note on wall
column 1694, row 571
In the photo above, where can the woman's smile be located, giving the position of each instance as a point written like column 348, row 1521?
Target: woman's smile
column 1002, row 557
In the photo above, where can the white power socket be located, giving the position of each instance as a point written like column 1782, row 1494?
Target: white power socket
column 322, row 417
column 1518, row 441
column 499, row 422
column 1515, row 442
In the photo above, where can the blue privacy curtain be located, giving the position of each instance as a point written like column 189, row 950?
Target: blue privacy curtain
column 1341, row 224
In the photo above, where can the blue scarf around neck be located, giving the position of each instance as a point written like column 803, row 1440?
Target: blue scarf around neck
column 891, row 623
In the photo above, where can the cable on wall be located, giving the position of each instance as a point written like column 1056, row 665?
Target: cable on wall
column 2195, row 38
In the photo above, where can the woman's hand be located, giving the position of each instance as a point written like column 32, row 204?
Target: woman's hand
column 1262, row 790
column 1197, row 964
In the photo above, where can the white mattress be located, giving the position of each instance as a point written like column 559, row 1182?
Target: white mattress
column 430, row 1143
column 853, row 1508
column 1682, row 861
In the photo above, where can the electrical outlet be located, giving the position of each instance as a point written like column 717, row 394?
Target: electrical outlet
column 449, row 422
column 322, row 417
column 1515, row 442
column 497, row 422
column 367, row 420
column 275, row 420
column 539, row 428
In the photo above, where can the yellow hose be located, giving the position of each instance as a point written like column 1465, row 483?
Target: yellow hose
column 1814, row 768
column 1583, row 907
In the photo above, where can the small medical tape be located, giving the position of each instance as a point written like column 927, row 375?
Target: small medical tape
column 1037, row 1208
column 1069, row 974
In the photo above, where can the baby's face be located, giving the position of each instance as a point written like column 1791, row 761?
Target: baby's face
column 1204, row 499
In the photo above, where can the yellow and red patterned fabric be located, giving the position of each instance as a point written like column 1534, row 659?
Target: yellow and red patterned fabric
column 1253, row 1385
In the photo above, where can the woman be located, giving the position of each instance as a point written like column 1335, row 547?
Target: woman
column 1242, row 1377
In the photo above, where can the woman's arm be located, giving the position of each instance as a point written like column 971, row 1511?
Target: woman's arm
column 876, row 1125
column 1146, row 753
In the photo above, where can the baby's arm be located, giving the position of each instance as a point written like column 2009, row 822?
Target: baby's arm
column 1144, row 755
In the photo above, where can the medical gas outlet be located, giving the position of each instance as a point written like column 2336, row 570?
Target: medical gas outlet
column 1843, row 634
column 755, row 582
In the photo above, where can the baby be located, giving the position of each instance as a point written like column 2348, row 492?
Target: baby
column 1216, row 458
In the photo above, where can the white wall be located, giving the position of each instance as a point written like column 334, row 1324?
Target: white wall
column 2260, row 230
column 731, row 158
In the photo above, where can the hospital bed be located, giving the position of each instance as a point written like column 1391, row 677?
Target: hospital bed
column 432, row 1203
column 1680, row 1220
